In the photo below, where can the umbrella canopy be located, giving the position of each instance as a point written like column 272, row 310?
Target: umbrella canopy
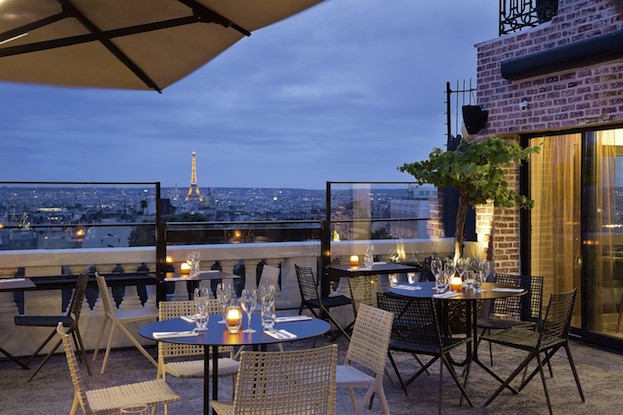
column 133, row 44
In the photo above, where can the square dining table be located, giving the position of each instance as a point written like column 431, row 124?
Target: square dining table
column 217, row 335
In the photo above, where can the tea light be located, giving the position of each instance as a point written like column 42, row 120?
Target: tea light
column 456, row 283
column 233, row 319
column 354, row 261
column 185, row 268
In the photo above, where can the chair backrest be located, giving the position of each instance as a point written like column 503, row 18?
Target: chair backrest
column 370, row 339
column 109, row 306
column 287, row 383
column 174, row 309
column 307, row 283
column 507, row 306
column 532, row 304
column 363, row 290
column 75, row 307
column 270, row 276
column 558, row 315
column 415, row 319
column 76, row 378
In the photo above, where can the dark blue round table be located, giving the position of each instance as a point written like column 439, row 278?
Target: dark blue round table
column 217, row 335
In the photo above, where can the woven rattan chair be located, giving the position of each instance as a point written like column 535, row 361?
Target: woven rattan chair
column 109, row 401
column 550, row 335
column 70, row 321
column 117, row 317
column 416, row 330
column 227, row 366
column 367, row 351
column 310, row 298
column 284, row 383
column 363, row 290
column 507, row 312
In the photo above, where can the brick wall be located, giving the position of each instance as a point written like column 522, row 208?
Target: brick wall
column 558, row 101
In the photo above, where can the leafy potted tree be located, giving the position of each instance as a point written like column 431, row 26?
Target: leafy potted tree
column 476, row 170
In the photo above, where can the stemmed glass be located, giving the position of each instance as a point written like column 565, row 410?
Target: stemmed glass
column 436, row 267
column 201, row 298
column 224, row 293
column 248, row 301
column 484, row 270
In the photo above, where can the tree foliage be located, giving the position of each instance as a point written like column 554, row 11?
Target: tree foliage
column 476, row 171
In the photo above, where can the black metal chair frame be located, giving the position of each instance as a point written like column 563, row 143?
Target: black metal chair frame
column 310, row 299
column 550, row 335
column 69, row 320
column 416, row 330
column 525, row 310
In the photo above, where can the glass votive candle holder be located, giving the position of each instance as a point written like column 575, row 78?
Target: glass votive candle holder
column 456, row 283
column 354, row 261
column 233, row 318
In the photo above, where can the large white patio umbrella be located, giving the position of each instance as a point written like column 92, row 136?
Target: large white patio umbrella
column 132, row 44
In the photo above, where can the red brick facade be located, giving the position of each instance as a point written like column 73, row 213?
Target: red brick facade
column 563, row 100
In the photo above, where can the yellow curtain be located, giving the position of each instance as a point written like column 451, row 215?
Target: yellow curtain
column 555, row 224
column 603, row 241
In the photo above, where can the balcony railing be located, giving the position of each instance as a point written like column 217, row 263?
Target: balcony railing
column 516, row 15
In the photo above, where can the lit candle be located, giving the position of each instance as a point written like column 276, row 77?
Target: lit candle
column 185, row 268
column 354, row 261
column 456, row 283
column 233, row 319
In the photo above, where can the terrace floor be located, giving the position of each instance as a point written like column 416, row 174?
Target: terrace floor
column 601, row 374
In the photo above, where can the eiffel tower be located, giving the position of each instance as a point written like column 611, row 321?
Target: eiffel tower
column 193, row 190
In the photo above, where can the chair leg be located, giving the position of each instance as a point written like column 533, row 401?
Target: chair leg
column 80, row 346
column 391, row 359
column 99, row 337
column 108, row 347
column 549, row 404
column 74, row 405
column 47, row 357
column 137, row 344
column 455, row 377
column 440, row 391
column 41, row 346
column 507, row 382
column 575, row 373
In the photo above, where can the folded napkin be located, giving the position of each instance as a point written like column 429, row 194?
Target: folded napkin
column 170, row 334
column 379, row 263
column 287, row 319
column 280, row 334
column 12, row 279
column 507, row 290
column 408, row 287
column 448, row 294
column 190, row 319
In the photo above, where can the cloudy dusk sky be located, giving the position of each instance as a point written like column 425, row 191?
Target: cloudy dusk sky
column 345, row 91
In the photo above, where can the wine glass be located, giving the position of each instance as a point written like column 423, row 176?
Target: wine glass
column 248, row 301
column 443, row 281
column 224, row 293
column 485, row 268
column 201, row 298
column 267, row 293
column 436, row 267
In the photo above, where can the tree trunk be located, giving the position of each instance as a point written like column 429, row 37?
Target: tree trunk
column 459, row 233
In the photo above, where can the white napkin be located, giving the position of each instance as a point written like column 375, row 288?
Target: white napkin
column 448, row 294
column 12, row 279
column 190, row 319
column 507, row 290
column 408, row 287
column 280, row 334
column 379, row 263
column 170, row 334
column 287, row 319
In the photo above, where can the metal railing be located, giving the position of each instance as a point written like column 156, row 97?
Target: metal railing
column 516, row 15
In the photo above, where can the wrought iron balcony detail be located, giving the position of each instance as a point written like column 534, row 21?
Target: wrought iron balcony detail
column 518, row 14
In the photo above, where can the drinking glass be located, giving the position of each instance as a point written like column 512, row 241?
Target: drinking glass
column 268, row 315
column 267, row 293
column 443, row 281
column 485, row 268
column 224, row 293
column 138, row 409
column 248, row 301
column 436, row 267
column 201, row 298
column 413, row 277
